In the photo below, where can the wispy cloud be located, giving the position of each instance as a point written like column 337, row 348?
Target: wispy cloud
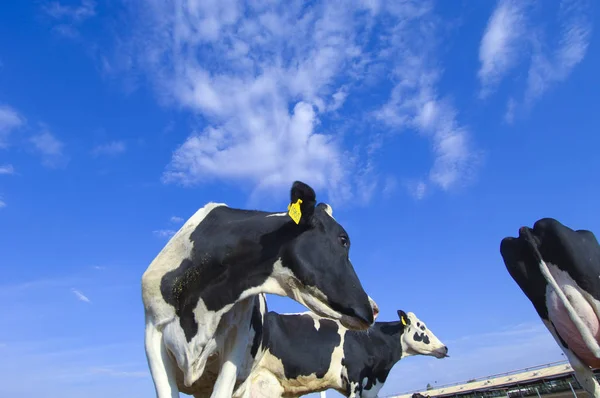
column 511, row 37
column 502, row 40
column 80, row 296
column 415, row 104
column 49, row 148
column 118, row 373
column 10, row 120
column 7, row 169
column 269, row 80
column 75, row 13
column 69, row 17
column 569, row 50
column 509, row 116
column 176, row 220
column 112, row 148
column 23, row 287
column 164, row 233
column 2, row 203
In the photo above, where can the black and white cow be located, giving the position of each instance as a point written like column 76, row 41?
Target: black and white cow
column 305, row 353
column 558, row 269
column 200, row 291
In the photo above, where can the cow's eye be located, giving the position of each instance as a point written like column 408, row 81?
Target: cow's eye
column 344, row 241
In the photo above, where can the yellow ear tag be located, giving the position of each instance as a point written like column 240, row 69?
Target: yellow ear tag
column 294, row 211
column 403, row 321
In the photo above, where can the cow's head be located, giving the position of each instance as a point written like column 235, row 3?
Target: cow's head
column 416, row 339
column 315, row 266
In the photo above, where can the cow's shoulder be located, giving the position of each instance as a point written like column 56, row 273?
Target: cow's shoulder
column 302, row 342
column 223, row 260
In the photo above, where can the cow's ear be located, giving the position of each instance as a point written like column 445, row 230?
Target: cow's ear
column 302, row 202
column 403, row 317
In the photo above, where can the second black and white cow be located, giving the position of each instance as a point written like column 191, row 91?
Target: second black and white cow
column 558, row 269
column 200, row 291
column 305, row 353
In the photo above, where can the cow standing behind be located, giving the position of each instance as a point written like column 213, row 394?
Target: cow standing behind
column 200, row 291
column 305, row 353
column 558, row 269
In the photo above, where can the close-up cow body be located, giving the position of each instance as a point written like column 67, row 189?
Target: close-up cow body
column 304, row 353
column 558, row 269
column 200, row 291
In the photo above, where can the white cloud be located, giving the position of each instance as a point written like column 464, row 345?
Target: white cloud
column 7, row 169
column 268, row 78
column 164, row 233
column 2, row 203
column 112, row 148
column 176, row 220
column 80, row 296
column 570, row 49
column 49, row 148
column 501, row 42
column 10, row 120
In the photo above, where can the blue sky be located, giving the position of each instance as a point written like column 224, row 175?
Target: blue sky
column 433, row 128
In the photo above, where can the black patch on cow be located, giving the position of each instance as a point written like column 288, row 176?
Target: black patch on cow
column 256, row 323
column 302, row 349
column 575, row 251
column 234, row 250
column 421, row 337
column 372, row 354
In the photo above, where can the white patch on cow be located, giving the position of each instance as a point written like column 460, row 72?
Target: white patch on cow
column 278, row 214
column 329, row 210
column 563, row 294
column 353, row 388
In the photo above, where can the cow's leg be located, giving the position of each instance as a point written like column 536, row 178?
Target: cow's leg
column 235, row 348
column 583, row 373
column 161, row 367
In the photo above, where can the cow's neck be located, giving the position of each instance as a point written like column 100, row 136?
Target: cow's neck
column 391, row 332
